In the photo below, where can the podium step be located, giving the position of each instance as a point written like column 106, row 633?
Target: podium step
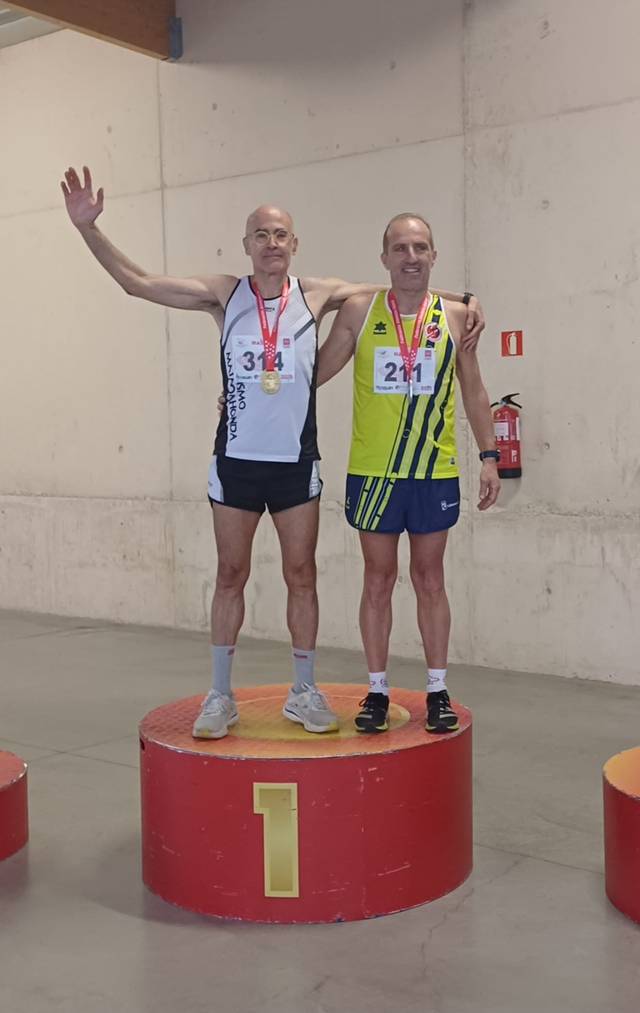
column 14, row 823
column 621, row 781
column 275, row 824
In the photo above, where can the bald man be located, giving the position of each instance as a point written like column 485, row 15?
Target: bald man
column 266, row 452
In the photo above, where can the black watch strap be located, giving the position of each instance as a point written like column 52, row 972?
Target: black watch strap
column 467, row 297
column 484, row 454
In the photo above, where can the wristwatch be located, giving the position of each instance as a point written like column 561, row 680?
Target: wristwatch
column 494, row 454
column 467, row 297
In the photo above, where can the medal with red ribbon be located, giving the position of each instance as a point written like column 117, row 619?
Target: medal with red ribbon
column 270, row 378
column 409, row 355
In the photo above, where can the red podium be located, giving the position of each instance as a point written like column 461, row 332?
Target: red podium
column 14, row 823
column 621, row 780
column 273, row 824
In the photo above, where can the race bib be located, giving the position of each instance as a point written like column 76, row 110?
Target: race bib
column 390, row 375
column 249, row 359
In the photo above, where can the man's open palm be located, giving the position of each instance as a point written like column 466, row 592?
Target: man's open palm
column 82, row 206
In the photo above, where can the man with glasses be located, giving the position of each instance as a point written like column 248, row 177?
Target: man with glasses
column 266, row 453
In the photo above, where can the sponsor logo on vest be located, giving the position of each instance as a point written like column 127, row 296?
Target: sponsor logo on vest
column 236, row 399
column 433, row 333
column 380, row 327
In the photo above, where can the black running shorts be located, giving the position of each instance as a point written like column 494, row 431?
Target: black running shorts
column 254, row 485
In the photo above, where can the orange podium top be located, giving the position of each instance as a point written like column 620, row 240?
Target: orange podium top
column 263, row 732
column 622, row 771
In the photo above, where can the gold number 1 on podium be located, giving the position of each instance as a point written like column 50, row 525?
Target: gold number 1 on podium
column 278, row 805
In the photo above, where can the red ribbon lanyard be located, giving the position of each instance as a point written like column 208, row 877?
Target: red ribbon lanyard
column 270, row 339
column 409, row 355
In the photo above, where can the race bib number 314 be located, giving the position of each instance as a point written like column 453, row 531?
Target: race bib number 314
column 390, row 374
column 249, row 359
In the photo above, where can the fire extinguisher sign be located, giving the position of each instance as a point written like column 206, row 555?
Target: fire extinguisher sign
column 511, row 343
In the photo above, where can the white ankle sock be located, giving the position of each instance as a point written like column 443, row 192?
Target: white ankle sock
column 378, row 683
column 221, row 661
column 303, row 664
column 436, row 680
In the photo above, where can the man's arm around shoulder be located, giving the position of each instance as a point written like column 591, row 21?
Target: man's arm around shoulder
column 335, row 291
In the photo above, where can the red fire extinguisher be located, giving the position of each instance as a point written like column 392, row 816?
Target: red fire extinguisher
column 506, row 421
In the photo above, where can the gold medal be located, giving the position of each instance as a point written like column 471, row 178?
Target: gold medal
column 409, row 355
column 270, row 381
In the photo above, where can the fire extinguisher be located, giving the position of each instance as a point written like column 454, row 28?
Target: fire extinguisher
column 506, row 421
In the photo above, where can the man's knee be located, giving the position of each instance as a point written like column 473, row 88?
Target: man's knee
column 379, row 583
column 300, row 576
column 427, row 580
column 231, row 575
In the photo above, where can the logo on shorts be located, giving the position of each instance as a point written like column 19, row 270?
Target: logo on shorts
column 380, row 327
column 315, row 485
column 447, row 506
column 433, row 333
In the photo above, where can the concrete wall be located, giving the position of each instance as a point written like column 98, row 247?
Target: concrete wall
column 512, row 125
column 552, row 237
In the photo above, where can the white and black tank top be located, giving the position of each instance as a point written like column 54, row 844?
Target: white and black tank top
column 255, row 426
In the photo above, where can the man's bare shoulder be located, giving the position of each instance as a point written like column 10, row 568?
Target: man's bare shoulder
column 220, row 286
column 356, row 306
column 360, row 299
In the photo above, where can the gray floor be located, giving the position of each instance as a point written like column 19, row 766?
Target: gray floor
column 530, row 931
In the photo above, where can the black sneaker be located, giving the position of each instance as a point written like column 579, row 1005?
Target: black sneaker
column 440, row 715
column 373, row 716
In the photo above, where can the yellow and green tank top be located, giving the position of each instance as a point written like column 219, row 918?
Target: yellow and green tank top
column 395, row 436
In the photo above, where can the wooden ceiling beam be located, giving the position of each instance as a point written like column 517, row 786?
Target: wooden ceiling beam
column 147, row 26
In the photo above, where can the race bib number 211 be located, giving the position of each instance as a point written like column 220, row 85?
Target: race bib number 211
column 390, row 374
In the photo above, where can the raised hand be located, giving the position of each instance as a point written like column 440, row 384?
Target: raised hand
column 82, row 206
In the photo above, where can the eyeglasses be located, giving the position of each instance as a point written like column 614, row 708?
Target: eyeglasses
column 261, row 237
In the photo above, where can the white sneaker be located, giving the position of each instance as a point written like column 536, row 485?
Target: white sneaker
column 216, row 716
column 310, row 708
